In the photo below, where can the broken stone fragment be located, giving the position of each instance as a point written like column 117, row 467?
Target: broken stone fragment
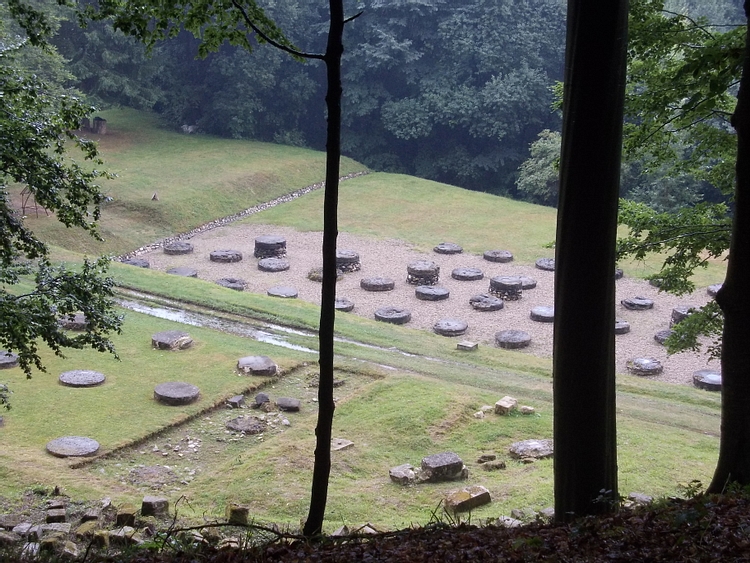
column 154, row 506
column 126, row 515
column 531, row 449
column 288, row 404
column 56, row 515
column 526, row 409
column 446, row 466
column 8, row 538
column 236, row 402
column 484, row 458
column 493, row 465
column 70, row 550
column 257, row 365
column 640, row 498
column 505, row 405
column 403, row 474
column 87, row 529
column 508, row 522
column 338, row 444
column 479, row 415
column 237, row 514
column 467, row 498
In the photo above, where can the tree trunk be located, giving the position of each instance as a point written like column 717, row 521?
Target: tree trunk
column 585, row 465
column 322, row 469
column 733, row 298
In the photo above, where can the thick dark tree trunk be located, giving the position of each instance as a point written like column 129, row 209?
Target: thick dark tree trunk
column 322, row 469
column 734, row 300
column 584, row 367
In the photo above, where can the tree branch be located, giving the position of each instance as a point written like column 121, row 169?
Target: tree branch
column 267, row 39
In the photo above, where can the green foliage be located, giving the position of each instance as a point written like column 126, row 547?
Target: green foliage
column 691, row 236
column 35, row 135
column 453, row 92
column 682, row 84
column 682, row 79
column 539, row 177
column 214, row 22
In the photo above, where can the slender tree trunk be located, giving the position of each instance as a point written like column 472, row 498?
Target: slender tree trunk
column 322, row 469
column 734, row 300
column 584, row 368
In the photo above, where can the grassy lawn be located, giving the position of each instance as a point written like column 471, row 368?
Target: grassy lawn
column 396, row 407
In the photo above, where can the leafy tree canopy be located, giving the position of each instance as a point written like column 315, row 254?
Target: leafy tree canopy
column 36, row 124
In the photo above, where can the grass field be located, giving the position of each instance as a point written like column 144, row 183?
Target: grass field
column 405, row 395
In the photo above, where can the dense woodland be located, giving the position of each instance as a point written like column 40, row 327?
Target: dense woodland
column 452, row 92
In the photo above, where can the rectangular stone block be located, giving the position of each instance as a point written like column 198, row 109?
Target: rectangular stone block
column 467, row 346
column 467, row 498
column 56, row 515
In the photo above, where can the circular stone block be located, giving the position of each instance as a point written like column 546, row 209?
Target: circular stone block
column 547, row 264
column 467, row 274
column 225, row 256
column 316, row 274
column 257, row 365
column 273, row 264
column 8, row 359
column 485, row 302
column 183, row 271
column 270, row 245
column 622, row 326
column 501, row 256
column 527, row 282
column 712, row 290
column 377, row 284
column 509, row 288
column 74, row 322
column 82, row 378
column 283, row 291
column 637, row 303
column 178, row 247
column 682, row 312
column 512, row 339
column 423, row 268
column 448, row 248
column 393, row 315
column 707, row 379
column 137, row 262
column 246, row 425
column 72, row 446
column 347, row 260
column 431, row 293
column 344, row 305
column 644, row 366
column 662, row 335
column 175, row 393
column 236, row 284
column 450, row 327
column 171, row 340
column 542, row 314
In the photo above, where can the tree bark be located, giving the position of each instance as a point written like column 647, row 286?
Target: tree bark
column 733, row 298
column 585, row 465
column 322, row 468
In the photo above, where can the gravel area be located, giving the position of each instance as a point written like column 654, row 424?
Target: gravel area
column 389, row 258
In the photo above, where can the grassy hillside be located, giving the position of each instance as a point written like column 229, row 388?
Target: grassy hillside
column 406, row 393
column 198, row 178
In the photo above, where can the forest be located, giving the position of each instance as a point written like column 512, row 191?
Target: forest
column 459, row 93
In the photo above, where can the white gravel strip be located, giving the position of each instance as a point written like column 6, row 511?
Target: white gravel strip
column 389, row 258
